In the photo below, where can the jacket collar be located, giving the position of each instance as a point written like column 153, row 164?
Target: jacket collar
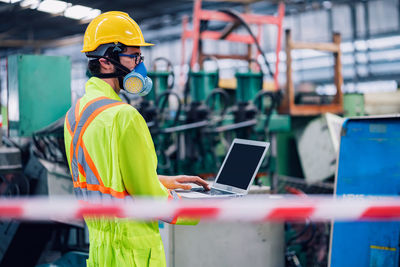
column 97, row 87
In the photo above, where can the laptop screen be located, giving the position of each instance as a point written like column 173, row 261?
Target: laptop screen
column 240, row 165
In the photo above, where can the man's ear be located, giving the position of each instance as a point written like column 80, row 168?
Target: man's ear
column 104, row 61
column 105, row 64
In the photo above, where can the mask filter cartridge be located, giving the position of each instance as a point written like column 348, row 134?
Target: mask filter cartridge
column 137, row 82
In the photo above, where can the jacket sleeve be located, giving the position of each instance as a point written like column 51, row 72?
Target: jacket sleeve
column 137, row 158
column 138, row 164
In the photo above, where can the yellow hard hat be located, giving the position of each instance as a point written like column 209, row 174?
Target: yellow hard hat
column 112, row 27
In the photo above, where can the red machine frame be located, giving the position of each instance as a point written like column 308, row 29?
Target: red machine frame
column 201, row 14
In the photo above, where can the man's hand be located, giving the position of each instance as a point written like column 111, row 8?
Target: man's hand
column 181, row 182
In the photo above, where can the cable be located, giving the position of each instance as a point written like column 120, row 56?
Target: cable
column 238, row 17
column 225, row 96
column 258, row 103
column 186, row 90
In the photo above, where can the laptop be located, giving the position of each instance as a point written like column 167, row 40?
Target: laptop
column 237, row 171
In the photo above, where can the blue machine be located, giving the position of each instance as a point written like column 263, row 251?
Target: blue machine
column 369, row 164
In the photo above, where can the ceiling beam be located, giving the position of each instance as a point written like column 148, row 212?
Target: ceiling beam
column 43, row 43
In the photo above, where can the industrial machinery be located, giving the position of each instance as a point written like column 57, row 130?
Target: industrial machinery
column 214, row 115
column 191, row 133
column 32, row 160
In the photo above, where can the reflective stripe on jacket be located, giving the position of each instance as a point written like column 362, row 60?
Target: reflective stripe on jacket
column 111, row 155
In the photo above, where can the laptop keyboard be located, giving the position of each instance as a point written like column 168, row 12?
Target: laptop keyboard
column 211, row 192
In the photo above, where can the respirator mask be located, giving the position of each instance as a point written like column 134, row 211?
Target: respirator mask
column 137, row 82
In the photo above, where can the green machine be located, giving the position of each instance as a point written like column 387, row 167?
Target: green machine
column 250, row 92
column 202, row 82
column 256, row 110
column 248, row 85
column 163, row 80
column 195, row 151
column 39, row 92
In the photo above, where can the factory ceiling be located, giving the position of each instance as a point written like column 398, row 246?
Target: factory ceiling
column 41, row 23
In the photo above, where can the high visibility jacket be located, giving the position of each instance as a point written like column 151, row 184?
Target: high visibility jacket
column 111, row 155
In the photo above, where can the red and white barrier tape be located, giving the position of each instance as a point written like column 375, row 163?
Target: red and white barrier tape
column 251, row 209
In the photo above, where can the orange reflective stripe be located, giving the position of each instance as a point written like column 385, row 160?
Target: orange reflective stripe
column 77, row 111
column 107, row 190
column 88, row 160
column 81, row 170
column 102, row 189
column 91, row 164
column 90, row 119
column 80, row 184
column 84, row 108
column 77, row 118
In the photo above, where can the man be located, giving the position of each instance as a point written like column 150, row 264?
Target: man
column 109, row 148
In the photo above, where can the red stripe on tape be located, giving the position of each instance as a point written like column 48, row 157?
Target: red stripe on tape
column 295, row 213
column 99, row 211
column 381, row 212
column 203, row 212
column 11, row 211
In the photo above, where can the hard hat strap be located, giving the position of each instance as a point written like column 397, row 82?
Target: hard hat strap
column 121, row 72
column 109, row 75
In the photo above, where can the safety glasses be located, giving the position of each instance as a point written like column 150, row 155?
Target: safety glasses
column 137, row 57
